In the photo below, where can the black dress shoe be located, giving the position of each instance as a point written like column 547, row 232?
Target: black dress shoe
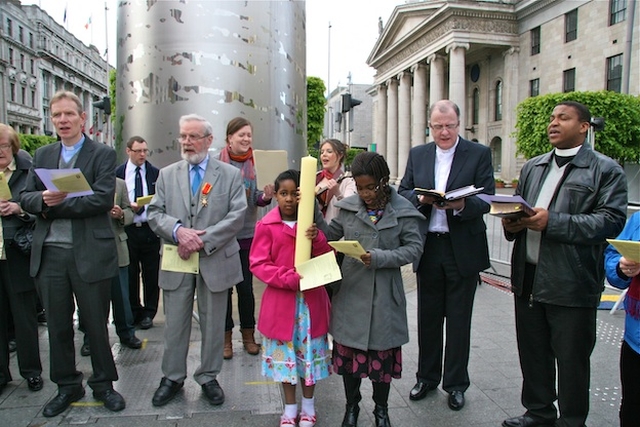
column 61, row 402
column 420, row 390
column 35, row 383
column 146, row 323
column 112, row 400
column 2, row 386
column 167, row 391
column 351, row 415
column 213, row 392
column 85, row 350
column 526, row 420
column 132, row 342
column 456, row 400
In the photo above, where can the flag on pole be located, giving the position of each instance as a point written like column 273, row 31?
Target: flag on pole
column 64, row 17
column 86, row 26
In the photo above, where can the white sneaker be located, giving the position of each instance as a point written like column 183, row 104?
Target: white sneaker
column 307, row 420
column 287, row 422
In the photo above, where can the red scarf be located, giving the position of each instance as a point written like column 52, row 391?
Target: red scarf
column 247, row 170
column 325, row 197
column 633, row 298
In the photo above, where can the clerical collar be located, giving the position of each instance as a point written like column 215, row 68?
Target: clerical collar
column 567, row 152
column 450, row 150
column 564, row 156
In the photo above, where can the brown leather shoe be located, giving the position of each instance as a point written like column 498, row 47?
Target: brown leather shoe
column 228, row 349
column 249, row 341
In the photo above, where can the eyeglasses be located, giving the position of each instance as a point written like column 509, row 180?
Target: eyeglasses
column 451, row 126
column 5, row 147
column 368, row 189
column 191, row 138
column 140, row 150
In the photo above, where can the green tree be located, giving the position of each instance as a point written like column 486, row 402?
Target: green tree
column 112, row 93
column 619, row 140
column 31, row 143
column 316, row 103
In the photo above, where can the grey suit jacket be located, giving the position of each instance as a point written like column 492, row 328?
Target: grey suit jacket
column 122, row 200
column 222, row 218
column 94, row 246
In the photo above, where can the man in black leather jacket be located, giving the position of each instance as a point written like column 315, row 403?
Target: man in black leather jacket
column 580, row 199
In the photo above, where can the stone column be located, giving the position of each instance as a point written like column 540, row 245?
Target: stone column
column 381, row 120
column 436, row 78
column 404, row 122
column 392, row 128
column 419, row 105
column 457, row 92
column 509, row 98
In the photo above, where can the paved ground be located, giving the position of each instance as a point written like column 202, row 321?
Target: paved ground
column 251, row 400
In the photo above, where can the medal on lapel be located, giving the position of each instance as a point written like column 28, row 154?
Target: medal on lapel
column 206, row 189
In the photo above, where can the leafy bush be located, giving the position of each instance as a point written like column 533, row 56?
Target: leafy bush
column 31, row 143
column 619, row 140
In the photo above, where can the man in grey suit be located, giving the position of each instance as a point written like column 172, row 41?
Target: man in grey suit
column 74, row 255
column 199, row 206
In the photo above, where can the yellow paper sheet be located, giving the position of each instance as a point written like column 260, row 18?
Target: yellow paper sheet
column 351, row 248
column 72, row 183
column 269, row 164
column 171, row 261
column 306, row 208
column 144, row 200
column 5, row 191
column 627, row 248
column 319, row 271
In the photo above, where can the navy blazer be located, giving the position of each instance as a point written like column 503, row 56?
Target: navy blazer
column 151, row 175
column 471, row 166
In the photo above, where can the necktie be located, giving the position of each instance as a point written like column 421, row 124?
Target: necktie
column 197, row 179
column 138, row 188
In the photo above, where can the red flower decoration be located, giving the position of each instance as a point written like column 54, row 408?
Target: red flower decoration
column 206, row 188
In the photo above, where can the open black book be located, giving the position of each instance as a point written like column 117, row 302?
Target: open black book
column 508, row 206
column 459, row 193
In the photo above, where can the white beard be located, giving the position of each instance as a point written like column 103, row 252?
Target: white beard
column 194, row 159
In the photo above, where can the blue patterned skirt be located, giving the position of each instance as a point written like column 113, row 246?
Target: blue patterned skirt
column 303, row 357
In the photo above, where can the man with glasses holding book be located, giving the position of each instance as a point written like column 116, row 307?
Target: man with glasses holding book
column 144, row 246
column 455, row 249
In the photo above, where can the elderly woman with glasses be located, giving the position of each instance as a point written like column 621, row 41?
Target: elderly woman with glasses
column 17, row 289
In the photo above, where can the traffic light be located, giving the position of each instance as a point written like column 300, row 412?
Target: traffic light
column 348, row 102
column 104, row 104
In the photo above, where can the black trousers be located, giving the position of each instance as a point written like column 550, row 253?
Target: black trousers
column 246, row 300
column 444, row 293
column 21, row 305
column 144, row 256
column 58, row 283
column 630, row 376
column 549, row 336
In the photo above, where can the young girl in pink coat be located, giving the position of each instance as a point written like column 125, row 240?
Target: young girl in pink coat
column 293, row 324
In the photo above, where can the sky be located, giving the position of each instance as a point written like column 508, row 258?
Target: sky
column 353, row 33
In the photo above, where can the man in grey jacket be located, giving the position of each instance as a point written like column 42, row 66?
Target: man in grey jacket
column 580, row 199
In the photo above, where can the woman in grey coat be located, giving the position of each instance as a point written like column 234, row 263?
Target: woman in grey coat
column 368, row 313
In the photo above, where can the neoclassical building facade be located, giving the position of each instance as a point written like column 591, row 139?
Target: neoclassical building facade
column 487, row 56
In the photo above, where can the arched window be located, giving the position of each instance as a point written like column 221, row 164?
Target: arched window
column 476, row 106
column 496, row 154
column 498, row 104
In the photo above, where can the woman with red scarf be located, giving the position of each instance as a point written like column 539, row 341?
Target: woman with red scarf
column 624, row 273
column 238, row 152
column 332, row 184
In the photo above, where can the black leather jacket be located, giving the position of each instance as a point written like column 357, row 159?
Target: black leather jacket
column 588, row 207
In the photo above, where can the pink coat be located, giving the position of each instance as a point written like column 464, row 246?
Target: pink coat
column 271, row 260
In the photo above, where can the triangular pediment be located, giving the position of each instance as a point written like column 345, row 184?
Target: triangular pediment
column 404, row 20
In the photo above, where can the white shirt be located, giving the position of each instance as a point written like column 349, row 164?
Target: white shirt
column 442, row 168
column 130, row 179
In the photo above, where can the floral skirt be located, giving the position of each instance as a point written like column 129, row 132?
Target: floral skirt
column 378, row 365
column 303, row 357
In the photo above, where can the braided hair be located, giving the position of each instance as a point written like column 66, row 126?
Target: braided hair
column 373, row 164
